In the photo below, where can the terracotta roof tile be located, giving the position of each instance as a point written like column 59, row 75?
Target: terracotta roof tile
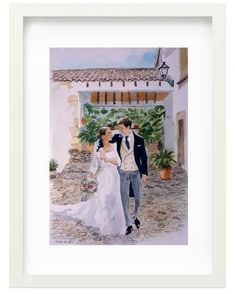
column 106, row 74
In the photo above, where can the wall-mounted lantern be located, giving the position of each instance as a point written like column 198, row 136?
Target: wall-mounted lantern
column 163, row 69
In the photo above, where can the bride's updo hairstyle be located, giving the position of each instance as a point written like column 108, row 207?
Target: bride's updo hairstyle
column 102, row 131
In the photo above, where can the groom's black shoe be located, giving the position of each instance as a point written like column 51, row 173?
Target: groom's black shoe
column 137, row 223
column 129, row 229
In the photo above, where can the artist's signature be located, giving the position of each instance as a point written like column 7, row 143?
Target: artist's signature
column 62, row 241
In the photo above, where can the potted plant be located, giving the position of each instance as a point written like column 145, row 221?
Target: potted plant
column 88, row 135
column 53, row 166
column 163, row 160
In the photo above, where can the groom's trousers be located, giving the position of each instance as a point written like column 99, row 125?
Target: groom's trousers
column 133, row 177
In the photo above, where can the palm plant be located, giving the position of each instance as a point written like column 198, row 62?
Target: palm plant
column 88, row 133
column 163, row 158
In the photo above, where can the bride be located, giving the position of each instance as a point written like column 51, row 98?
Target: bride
column 104, row 210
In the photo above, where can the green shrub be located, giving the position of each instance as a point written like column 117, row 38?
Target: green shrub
column 53, row 165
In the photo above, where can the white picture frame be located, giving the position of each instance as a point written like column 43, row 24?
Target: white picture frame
column 18, row 277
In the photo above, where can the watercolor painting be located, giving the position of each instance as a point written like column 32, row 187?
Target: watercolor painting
column 118, row 146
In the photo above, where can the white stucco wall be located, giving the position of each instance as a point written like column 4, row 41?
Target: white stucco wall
column 171, row 56
column 61, row 119
column 180, row 97
column 181, row 104
column 118, row 86
column 168, row 123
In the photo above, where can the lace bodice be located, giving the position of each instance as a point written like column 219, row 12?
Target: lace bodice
column 98, row 163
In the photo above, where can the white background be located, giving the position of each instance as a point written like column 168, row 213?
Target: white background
column 4, row 161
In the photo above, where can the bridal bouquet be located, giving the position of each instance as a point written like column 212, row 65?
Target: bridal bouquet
column 88, row 186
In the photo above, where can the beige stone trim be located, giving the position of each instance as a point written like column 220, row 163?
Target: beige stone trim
column 74, row 129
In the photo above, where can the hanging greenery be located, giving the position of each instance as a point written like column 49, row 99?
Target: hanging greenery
column 150, row 121
column 152, row 127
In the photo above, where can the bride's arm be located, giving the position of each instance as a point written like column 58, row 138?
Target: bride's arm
column 113, row 161
column 105, row 160
column 94, row 165
column 116, row 160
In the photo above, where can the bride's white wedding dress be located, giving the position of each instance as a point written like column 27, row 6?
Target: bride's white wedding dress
column 104, row 209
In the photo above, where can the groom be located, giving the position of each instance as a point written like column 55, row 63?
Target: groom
column 133, row 168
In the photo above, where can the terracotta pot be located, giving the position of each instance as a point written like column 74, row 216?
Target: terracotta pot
column 165, row 173
column 83, row 121
column 89, row 148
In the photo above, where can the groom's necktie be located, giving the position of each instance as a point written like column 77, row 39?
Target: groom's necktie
column 127, row 142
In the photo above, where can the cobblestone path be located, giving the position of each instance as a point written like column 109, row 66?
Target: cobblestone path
column 163, row 211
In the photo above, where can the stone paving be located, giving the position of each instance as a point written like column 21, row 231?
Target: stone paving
column 163, row 211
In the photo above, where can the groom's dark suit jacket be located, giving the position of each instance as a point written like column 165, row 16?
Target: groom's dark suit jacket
column 139, row 151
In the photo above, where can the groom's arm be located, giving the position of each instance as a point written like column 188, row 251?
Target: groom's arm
column 114, row 138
